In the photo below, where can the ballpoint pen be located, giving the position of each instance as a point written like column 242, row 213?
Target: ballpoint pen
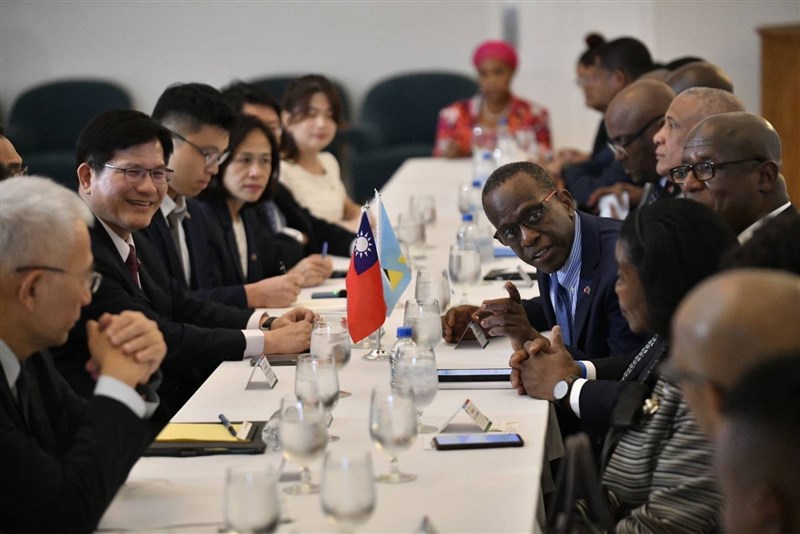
column 224, row 420
column 324, row 249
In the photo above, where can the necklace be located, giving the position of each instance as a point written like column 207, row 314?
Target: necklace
column 652, row 341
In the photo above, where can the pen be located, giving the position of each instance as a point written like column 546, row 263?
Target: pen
column 282, row 266
column 228, row 425
column 324, row 249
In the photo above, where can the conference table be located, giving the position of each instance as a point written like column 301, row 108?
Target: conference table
column 490, row 490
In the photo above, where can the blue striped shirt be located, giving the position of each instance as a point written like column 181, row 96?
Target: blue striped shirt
column 569, row 275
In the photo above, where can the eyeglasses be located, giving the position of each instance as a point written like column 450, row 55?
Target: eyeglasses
column 135, row 175
column 211, row 156
column 510, row 234
column 93, row 279
column 618, row 146
column 703, row 171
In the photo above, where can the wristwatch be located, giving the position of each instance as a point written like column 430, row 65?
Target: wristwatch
column 268, row 323
column 562, row 390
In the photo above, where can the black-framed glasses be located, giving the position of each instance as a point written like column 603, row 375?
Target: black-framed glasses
column 618, row 146
column 135, row 175
column 510, row 234
column 703, row 171
column 211, row 157
column 93, row 278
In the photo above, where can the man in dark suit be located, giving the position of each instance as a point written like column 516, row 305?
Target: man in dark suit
column 63, row 458
column 123, row 178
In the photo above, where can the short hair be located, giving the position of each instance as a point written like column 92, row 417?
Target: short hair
column 679, row 62
column 239, row 93
column 241, row 128
column 297, row 101
column 673, row 244
column 503, row 174
column 593, row 43
column 714, row 101
column 775, row 245
column 190, row 106
column 699, row 74
column 115, row 130
column 626, row 54
column 37, row 218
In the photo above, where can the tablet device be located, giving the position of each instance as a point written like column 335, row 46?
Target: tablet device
column 498, row 378
column 489, row 440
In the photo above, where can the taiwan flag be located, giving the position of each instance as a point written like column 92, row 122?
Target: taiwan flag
column 365, row 305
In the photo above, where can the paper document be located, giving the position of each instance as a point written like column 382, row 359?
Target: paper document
column 197, row 432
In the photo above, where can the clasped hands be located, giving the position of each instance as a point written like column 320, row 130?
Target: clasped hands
column 290, row 333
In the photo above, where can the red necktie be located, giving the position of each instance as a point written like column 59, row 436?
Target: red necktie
column 133, row 266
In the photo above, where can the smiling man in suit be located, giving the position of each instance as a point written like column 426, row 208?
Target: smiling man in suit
column 123, row 178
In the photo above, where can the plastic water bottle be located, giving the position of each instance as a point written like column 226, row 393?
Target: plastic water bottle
column 475, row 198
column 507, row 150
column 404, row 346
column 470, row 232
column 482, row 166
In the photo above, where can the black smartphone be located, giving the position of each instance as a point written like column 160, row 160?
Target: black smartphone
column 490, row 440
column 339, row 274
column 475, row 375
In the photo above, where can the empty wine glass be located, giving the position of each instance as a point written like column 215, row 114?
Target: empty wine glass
column 425, row 320
column 411, row 232
column 251, row 499
column 465, row 267
column 316, row 382
column 303, row 439
column 393, row 428
column 331, row 339
column 348, row 488
column 425, row 206
column 418, row 379
column 433, row 284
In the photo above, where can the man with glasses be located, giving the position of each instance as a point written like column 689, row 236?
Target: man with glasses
column 199, row 119
column 10, row 160
column 731, row 162
column 632, row 118
column 64, row 458
column 123, row 178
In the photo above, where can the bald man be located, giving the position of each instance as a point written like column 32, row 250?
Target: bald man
column 726, row 326
column 10, row 160
column 699, row 74
column 685, row 111
column 633, row 117
column 731, row 162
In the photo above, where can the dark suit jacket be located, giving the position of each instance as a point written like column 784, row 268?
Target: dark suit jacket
column 62, row 470
column 317, row 230
column 199, row 333
column 204, row 283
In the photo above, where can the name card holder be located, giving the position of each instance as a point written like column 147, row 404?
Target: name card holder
column 483, row 422
column 262, row 363
column 480, row 337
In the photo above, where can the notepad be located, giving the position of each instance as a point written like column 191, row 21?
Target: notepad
column 188, row 432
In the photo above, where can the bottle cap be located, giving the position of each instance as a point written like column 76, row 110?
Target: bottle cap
column 477, row 183
column 467, row 217
column 404, row 331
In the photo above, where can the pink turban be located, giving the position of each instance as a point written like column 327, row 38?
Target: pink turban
column 499, row 50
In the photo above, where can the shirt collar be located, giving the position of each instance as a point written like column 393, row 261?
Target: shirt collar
column 748, row 232
column 168, row 205
column 568, row 274
column 9, row 363
column 123, row 246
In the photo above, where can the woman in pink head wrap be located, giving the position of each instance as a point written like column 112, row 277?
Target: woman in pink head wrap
column 496, row 62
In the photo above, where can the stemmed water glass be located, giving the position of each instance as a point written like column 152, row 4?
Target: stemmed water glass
column 251, row 499
column 418, row 379
column 303, row 439
column 393, row 428
column 425, row 206
column 348, row 488
column 411, row 232
column 433, row 284
column 465, row 267
column 331, row 339
column 316, row 382
column 423, row 316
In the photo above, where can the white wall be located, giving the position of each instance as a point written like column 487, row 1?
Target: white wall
column 148, row 45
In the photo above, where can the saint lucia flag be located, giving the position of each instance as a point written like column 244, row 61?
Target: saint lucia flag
column 365, row 305
column 396, row 272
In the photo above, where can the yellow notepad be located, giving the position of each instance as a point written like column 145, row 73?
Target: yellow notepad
column 176, row 432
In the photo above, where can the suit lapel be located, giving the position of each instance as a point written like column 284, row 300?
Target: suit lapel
column 162, row 229
column 587, row 283
column 105, row 247
column 7, row 401
column 224, row 217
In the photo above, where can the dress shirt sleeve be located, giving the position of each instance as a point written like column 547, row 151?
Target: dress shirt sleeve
column 591, row 370
column 254, row 343
column 108, row 386
column 254, row 322
column 575, row 396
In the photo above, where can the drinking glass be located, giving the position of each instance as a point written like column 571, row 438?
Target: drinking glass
column 251, row 499
column 411, row 232
column 418, row 379
column 303, row 439
column 348, row 488
column 316, row 382
column 331, row 339
column 393, row 428
column 425, row 206
column 423, row 316
column 526, row 141
column 465, row 267
column 433, row 285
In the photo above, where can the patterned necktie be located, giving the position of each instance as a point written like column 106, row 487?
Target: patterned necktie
column 133, row 266
column 563, row 309
column 22, row 392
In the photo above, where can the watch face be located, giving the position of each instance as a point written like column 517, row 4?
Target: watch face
column 560, row 389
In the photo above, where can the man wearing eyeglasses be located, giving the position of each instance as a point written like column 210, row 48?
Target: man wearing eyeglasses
column 63, row 458
column 634, row 115
column 123, row 178
column 10, row 160
column 731, row 162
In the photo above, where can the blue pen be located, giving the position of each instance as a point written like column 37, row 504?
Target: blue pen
column 228, row 425
column 324, row 249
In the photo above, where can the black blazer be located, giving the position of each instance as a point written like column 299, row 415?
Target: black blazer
column 199, row 333
column 62, row 470
column 204, row 283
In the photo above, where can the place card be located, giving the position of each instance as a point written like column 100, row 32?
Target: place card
column 269, row 373
column 480, row 337
column 474, row 413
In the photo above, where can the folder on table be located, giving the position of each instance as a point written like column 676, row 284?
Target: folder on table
column 203, row 439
